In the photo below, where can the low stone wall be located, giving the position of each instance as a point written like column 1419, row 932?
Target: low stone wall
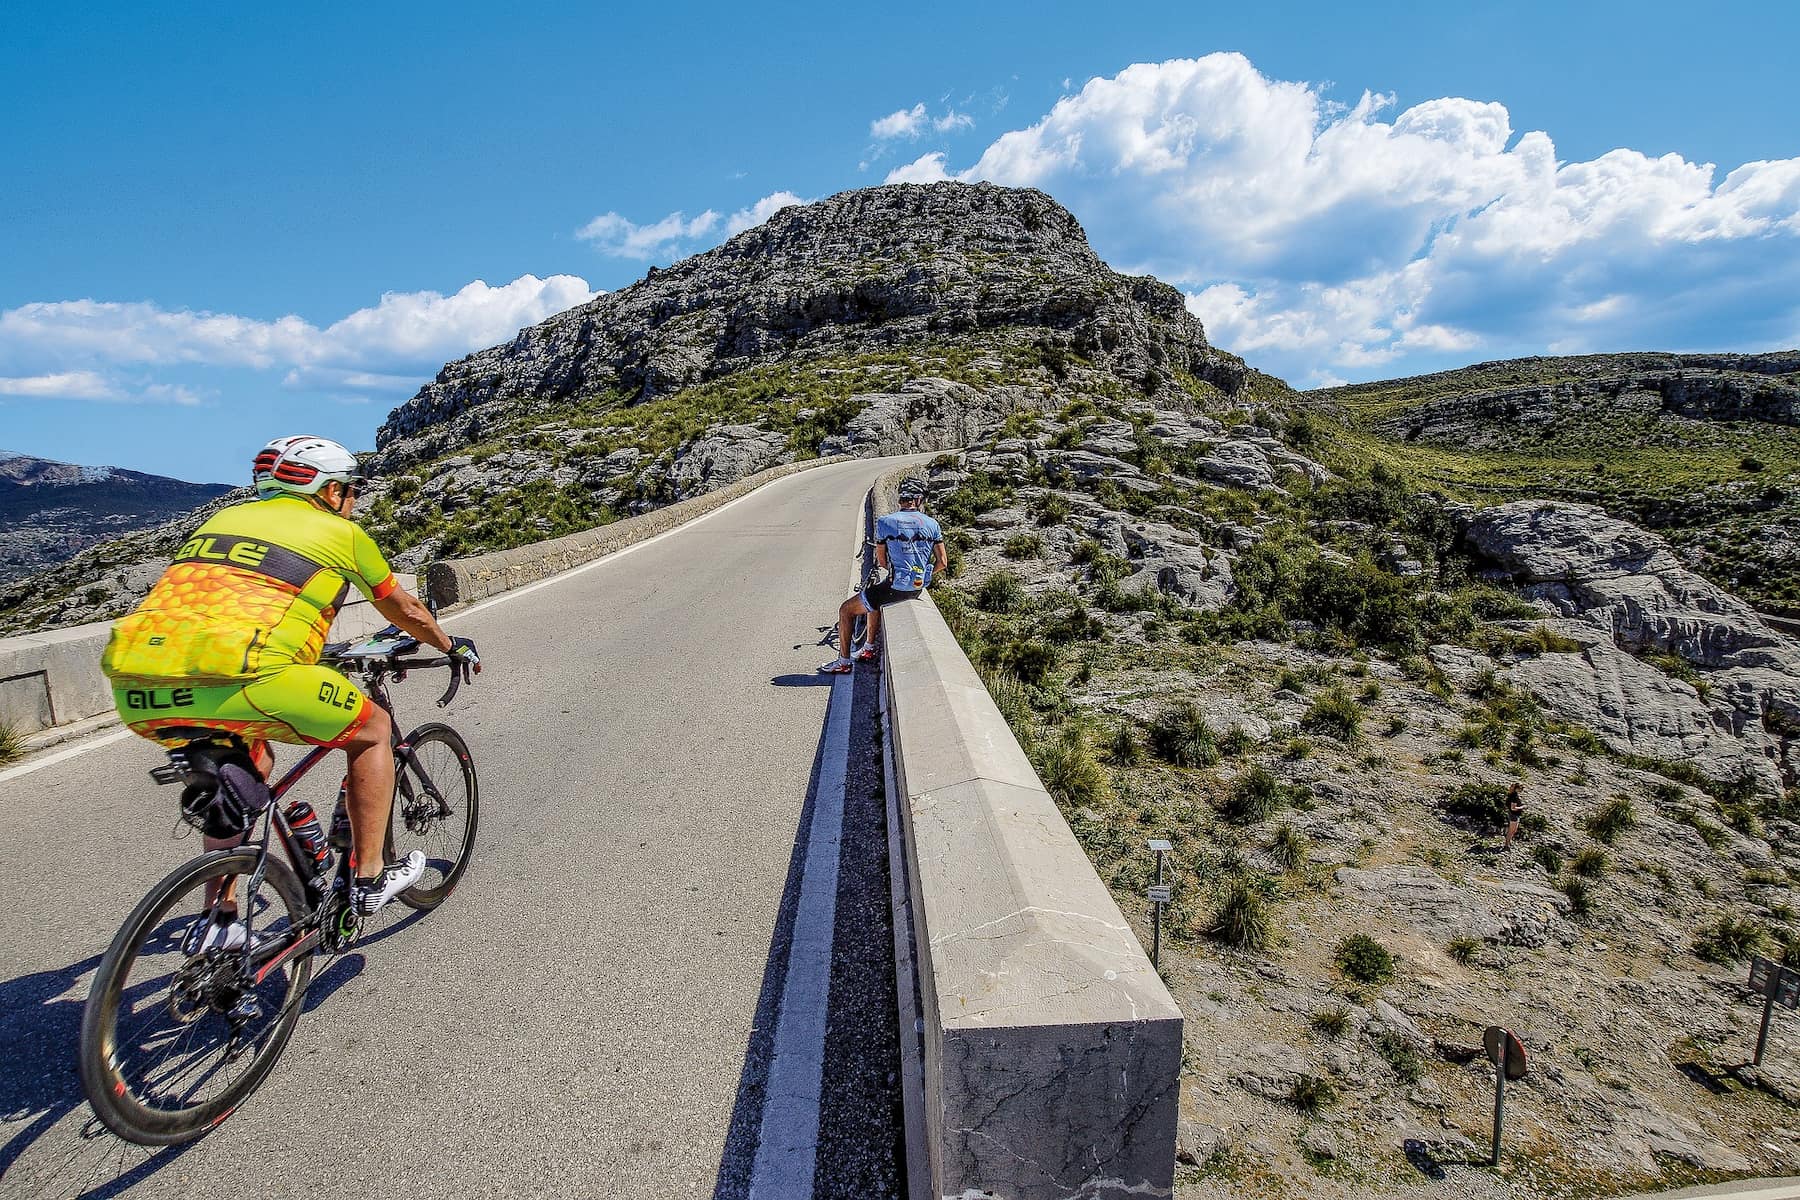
column 465, row 580
column 1052, row 1050
column 53, row 678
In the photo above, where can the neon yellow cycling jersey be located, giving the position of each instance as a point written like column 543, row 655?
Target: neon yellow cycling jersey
column 252, row 591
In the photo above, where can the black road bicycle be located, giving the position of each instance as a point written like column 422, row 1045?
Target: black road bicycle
column 174, row 1037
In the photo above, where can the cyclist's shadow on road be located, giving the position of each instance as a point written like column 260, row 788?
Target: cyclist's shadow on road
column 40, row 1023
column 61, row 1149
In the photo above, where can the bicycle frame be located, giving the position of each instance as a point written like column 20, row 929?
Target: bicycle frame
column 309, row 935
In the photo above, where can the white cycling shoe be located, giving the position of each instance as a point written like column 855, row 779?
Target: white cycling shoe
column 396, row 877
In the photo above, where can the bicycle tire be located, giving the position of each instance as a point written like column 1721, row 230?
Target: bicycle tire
column 103, row 1078
column 444, row 771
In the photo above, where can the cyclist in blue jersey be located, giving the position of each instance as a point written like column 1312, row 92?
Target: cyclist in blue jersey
column 909, row 546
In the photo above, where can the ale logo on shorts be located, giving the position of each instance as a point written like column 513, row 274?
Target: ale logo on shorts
column 340, row 695
column 158, row 699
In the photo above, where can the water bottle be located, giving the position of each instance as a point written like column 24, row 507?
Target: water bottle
column 311, row 839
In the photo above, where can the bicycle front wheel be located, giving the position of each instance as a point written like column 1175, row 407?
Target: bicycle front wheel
column 173, row 1037
column 436, row 805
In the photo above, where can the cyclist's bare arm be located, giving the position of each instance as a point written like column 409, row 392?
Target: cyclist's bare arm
column 410, row 614
column 881, row 558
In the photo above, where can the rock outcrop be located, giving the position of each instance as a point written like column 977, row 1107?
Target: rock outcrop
column 1622, row 589
column 886, row 268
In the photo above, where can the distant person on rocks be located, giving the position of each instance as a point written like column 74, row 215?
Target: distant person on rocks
column 1515, row 808
column 909, row 546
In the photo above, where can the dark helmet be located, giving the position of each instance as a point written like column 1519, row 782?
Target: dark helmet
column 912, row 488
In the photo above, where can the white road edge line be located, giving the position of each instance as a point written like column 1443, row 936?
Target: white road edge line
column 787, row 1142
column 787, row 1145
column 38, row 763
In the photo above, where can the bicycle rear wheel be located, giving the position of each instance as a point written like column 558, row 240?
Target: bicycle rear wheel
column 172, row 1042
column 436, row 807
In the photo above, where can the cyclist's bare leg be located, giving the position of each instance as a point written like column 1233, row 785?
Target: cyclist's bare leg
column 848, row 611
column 874, row 627
column 264, row 758
column 371, row 754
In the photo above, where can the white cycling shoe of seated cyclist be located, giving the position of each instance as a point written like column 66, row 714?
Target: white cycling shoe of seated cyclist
column 396, row 877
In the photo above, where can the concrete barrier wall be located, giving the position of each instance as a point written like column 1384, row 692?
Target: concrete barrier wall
column 53, row 678
column 1052, row 1050
column 465, row 580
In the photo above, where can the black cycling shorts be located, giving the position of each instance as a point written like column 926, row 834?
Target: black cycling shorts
column 880, row 595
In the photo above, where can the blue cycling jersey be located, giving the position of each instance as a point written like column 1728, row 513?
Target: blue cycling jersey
column 910, row 538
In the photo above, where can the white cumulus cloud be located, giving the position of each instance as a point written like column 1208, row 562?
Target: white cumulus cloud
column 1329, row 240
column 901, row 123
column 60, row 385
column 762, row 210
column 621, row 238
column 74, row 348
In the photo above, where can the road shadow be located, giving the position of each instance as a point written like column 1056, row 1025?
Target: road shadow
column 860, row 1110
column 816, row 679
column 70, row 1153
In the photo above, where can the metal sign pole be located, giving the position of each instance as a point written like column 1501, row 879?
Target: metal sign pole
column 1499, row 1110
column 1159, row 896
column 1762, row 1035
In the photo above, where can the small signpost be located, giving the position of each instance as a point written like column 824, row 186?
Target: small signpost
column 1776, row 984
column 1507, row 1053
column 1159, row 896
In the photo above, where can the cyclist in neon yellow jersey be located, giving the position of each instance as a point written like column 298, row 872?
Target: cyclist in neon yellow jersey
column 230, row 636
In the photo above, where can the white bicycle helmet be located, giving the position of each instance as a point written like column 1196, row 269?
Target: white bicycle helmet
column 301, row 465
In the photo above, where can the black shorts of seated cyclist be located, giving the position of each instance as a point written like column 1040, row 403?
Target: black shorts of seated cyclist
column 880, row 595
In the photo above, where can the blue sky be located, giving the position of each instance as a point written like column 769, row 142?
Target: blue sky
column 218, row 225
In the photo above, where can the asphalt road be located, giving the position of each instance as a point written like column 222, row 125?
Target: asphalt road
column 591, row 1012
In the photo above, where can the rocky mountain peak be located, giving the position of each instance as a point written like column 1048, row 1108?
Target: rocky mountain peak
column 860, row 272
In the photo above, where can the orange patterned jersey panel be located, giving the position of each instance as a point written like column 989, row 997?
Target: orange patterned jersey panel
column 253, row 590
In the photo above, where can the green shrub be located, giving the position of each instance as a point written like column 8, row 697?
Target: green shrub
column 1180, row 735
column 1464, row 948
column 1481, row 803
column 1362, row 959
column 1586, row 741
column 1730, row 939
column 1255, row 796
column 1548, row 858
column 1069, row 770
column 1534, row 822
column 1611, row 819
column 1742, row 817
column 1030, row 661
column 1400, row 1055
column 1580, row 896
column 1589, row 863
column 1289, row 846
column 1544, row 641
column 1122, row 746
column 1333, row 1021
column 1001, row 592
column 1051, row 509
column 1311, row 1093
column 1397, row 725
column 1369, row 693
column 1334, row 713
column 1666, row 791
column 1289, row 681
column 1713, row 835
column 1236, row 742
column 1241, row 919
column 1023, row 545
column 12, row 744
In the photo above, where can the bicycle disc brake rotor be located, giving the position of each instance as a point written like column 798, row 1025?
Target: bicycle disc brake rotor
column 421, row 814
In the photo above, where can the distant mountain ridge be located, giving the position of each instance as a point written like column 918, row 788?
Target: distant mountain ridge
column 51, row 511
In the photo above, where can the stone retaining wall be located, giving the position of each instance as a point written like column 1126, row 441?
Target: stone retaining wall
column 1052, row 1050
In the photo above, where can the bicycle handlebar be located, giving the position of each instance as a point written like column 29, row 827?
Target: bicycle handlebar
column 389, row 657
